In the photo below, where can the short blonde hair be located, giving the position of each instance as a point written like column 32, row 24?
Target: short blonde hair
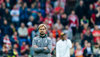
column 42, row 25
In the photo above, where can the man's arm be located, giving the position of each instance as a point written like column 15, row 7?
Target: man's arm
column 35, row 47
column 49, row 47
column 57, row 50
column 69, row 45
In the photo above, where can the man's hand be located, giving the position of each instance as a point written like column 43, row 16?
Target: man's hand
column 35, row 46
column 45, row 48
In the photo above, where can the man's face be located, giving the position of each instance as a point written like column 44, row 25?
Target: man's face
column 65, row 37
column 42, row 30
column 22, row 25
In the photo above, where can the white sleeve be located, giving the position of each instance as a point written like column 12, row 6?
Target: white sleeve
column 57, row 50
column 69, row 45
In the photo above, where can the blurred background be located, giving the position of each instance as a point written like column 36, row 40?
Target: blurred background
column 79, row 19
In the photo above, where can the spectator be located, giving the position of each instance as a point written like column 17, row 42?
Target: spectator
column 58, row 25
column 35, row 32
column 1, row 1
column 7, row 16
column 55, row 17
column 13, row 29
column 84, row 45
column 88, row 36
column 1, row 13
column 96, row 49
column 23, row 49
column 73, row 22
column 88, row 51
column 72, row 51
column 18, row 4
column 48, row 20
column 84, row 20
column 96, row 34
column 15, row 50
column 34, row 11
column 27, row 50
column 77, row 44
column 80, row 10
column 23, row 33
column 56, row 32
column 4, row 50
column 3, row 6
column 59, row 2
column 64, row 19
column 68, row 31
column 58, row 8
column 97, row 4
column 15, row 16
column 31, row 19
column 41, row 19
column 5, row 28
column 8, row 4
column 15, row 39
column 30, row 29
column 7, row 42
column 24, row 13
column 84, row 29
column 92, row 20
column 78, row 51
column 49, row 9
column 90, row 11
column 10, row 51
column 97, row 20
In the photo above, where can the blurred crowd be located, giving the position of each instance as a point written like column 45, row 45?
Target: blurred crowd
column 19, row 20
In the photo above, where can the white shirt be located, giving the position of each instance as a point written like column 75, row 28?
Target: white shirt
column 63, row 48
column 23, row 31
column 15, row 15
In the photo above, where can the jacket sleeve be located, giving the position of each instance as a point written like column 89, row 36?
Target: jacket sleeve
column 57, row 50
column 70, row 44
column 39, row 49
column 49, row 47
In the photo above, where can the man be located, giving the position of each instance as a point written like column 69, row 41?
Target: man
column 96, row 34
column 88, row 51
column 41, row 44
column 63, row 46
column 73, row 22
column 23, row 33
column 15, row 15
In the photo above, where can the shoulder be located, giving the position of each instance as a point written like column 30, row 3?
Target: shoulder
column 58, row 41
column 48, row 38
column 36, row 38
column 68, row 40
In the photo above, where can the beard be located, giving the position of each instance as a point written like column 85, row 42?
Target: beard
column 42, row 33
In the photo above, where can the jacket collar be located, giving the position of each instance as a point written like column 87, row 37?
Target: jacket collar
column 43, row 36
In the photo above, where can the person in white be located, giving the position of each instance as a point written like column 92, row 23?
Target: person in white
column 63, row 46
column 15, row 14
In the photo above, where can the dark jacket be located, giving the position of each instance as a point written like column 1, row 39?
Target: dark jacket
column 86, row 53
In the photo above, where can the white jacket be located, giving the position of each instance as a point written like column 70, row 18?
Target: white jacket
column 63, row 48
